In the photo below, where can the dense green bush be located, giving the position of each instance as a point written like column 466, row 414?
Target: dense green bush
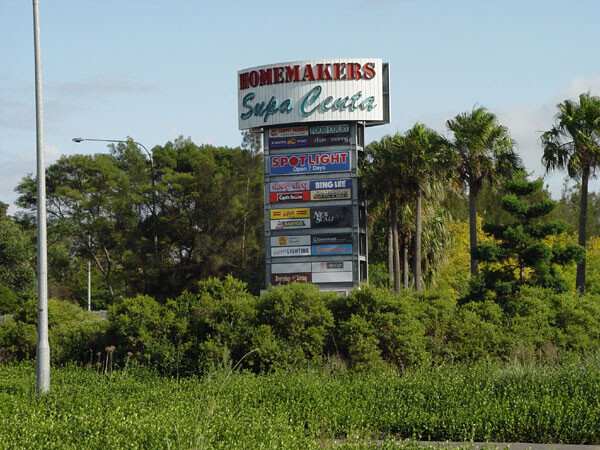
column 375, row 324
column 220, row 323
column 295, row 322
column 73, row 334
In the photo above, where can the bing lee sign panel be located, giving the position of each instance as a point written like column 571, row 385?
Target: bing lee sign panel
column 311, row 91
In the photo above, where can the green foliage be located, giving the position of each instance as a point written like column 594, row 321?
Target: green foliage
column 17, row 277
column 203, row 204
column 485, row 402
column 221, row 318
column 376, row 324
column 9, row 301
column 299, row 321
column 73, row 334
column 519, row 256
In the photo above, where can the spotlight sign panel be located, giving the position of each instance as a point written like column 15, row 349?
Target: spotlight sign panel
column 328, row 90
column 309, row 163
column 331, row 217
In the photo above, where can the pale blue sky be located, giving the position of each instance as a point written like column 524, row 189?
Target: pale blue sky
column 154, row 70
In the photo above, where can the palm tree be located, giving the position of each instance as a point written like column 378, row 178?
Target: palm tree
column 401, row 170
column 483, row 151
column 573, row 143
column 380, row 173
column 425, row 162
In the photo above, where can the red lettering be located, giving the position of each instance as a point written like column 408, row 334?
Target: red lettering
column 283, row 160
column 308, row 73
column 302, row 159
column 323, row 72
column 354, row 71
column 311, row 160
column 335, row 158
column 369, row 71
column 244, row 82
column 325, row 159
column 294, row 161
column 344, row 156
column 254, row 78
column 278, row 75
column 266, row 76
column 292, row 73
column 275, row 161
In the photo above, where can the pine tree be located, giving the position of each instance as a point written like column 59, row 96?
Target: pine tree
column 519, row 256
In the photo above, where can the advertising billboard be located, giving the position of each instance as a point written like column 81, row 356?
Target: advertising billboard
column 290, row 251
column 286, row 278
column 282, row 197
column 289, row 186
column 291, row 213
column 309, row 163
column 331, row 216
column 290, row 224
column 328, row 90
column 344, row 183
column 338, row 238
column 332, row 249
column 282, row 241
column 331, row 266
column 331, row 194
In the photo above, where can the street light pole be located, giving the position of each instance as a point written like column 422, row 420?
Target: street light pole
column 42, row 367
column 152, row 180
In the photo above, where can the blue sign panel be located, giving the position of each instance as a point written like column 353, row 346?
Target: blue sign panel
column 330, row 184
column 299, row 164
column 332, row 249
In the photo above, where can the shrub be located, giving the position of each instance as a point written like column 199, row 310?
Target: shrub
column 299, row 321
column 377, row 317
column 73, row 333
column 222, row 321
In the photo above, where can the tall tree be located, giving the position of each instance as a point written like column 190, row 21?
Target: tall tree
column 483, row 151
column 425, row 161
column 573, row 143
column 382, row 172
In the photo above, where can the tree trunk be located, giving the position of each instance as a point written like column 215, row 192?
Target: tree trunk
column 417, row 255
column 390, row 250
column 395, row 245
column 473, row 228
column 580, row 278
column 406, row 243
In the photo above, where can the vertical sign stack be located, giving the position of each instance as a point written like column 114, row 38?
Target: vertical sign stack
column 315, row 215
